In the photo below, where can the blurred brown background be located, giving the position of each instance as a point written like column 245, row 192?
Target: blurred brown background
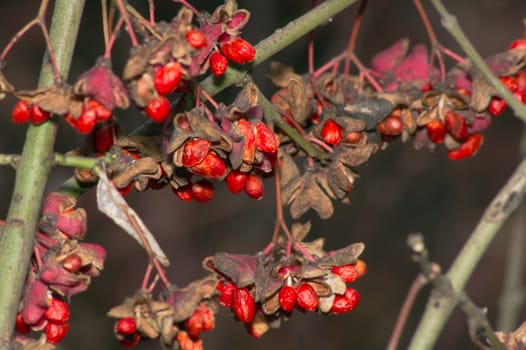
column 400, row 191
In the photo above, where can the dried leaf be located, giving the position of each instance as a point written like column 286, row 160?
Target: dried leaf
column 240, row 268
column 305, row 193
column 111, row 203
column 515, row 340
column 343, row 256
column 371, row 111
column 280, row 74
column 300, row 230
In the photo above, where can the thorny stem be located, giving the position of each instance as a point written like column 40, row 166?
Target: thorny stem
column 16, row 244
column 57, row 159
column 409, row 301
column 450, row 22
column 126, row 16
column 439, row 307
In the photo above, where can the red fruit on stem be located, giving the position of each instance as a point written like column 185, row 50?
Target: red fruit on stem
column 203, row 191
column 72, row 263
column 38, row 115
column 249, row 140
column 56, row 332
column 521, row 96
column 348, row 272
column 212, row 166
column 254, row 187
column 467, row 148
column 346, row 302
column 266, row 140
column 239, row 51
column 520, row 77
column 167, row 78
column 436, row 131
column 331, row 132
column 158, row 109
column 391, row 126
column 243, row 305
column 102, row 113
column 130, row 343
column 196, row 38
column 236, row 181
column 209, row 320
column 227, row 294
column 218, row 64
column 187, row 343
column 194, row 324
column 103, row 136
column 21, row 112
column 510, row 83
column 195, row 151
column 58, row 311
column 20, row 326
column 518, row 44
column 288, row 297
column 456, row 125
column 496, row 106
column 86, row 121
column 184, row 192
column 124, row 191
column 125, row 326
column 307, row 298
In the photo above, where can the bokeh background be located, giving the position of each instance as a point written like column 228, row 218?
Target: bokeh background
column 400, row 191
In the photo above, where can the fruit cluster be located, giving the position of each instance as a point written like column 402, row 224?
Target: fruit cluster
column 61, row 267
column 178, row 319
column 262, row 300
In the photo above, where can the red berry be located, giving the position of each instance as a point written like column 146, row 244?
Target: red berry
column 331, row 132
column 86, row 121
column 130, row 343
column 236, row 181
column 125, row 326
column 249, row 139
column 102, row 113
column 520, row 77
column 436, row 131
column 72, row 263
column 518, row 44
column 239, row 51
column 187, row 343
column 496, row 106
column 307, row 297
column 243, row 305
column 227, row 294
column 21, row 113
column 254, row 187
column 288, row 296
column 345, row 303
column 158, row 109
column 20, row 326
column 391, row 126
column 167, row 77
column 266, row 139
column 103, row 136
column 456, row 125
column 348, row 272
column 184, row 192
column 38, row 115
column 55, row 332
column 196, row 38
column 218, row 64
column 195, row 151
column 209, row 321
column 58, row 311
column 510, row 83
column 124, row 191
column 467, row 148
column 203, row 191
column 353, row 137
column 211, row 167
column 194, row 324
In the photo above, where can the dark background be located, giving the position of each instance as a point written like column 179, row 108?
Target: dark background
column 400, row 191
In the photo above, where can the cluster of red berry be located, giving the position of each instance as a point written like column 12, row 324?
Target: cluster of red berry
column 60, row 268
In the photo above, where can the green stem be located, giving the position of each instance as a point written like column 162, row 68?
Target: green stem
column 276, row 42
column 58, row 159
column 451, row 24
column 439, row 307
column 16, row 243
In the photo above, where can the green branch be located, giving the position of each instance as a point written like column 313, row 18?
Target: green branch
column 451, row 24
column 439, row 307
column 58, row 159
column 16, row 243
column 274, row 43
